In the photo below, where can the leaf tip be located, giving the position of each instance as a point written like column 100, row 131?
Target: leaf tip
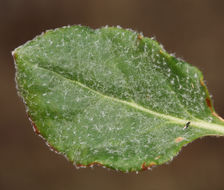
column 14, row 54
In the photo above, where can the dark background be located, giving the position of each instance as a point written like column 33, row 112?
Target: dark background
column 193, row 29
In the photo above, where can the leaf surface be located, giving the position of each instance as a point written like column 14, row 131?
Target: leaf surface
column 112, row 97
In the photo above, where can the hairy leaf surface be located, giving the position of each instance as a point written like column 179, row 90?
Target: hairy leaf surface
column 112, row 97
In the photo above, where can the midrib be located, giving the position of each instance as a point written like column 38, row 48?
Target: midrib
column 196, row 123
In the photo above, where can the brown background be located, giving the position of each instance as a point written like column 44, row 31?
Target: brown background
column 192, row 28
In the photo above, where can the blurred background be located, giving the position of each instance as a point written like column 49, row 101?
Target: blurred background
column 192, row 29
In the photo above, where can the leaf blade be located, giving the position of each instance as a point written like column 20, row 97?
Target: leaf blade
column 126, row 113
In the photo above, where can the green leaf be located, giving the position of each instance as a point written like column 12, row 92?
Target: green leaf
column 112, row 97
